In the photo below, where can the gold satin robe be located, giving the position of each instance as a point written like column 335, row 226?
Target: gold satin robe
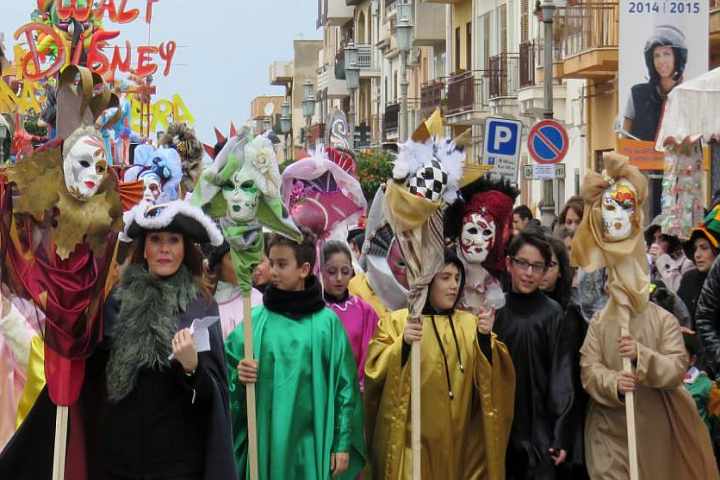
column 462, row 438
column 673, row 442
column 359, row 287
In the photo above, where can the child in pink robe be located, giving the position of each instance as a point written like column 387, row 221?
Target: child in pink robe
column 358, row 317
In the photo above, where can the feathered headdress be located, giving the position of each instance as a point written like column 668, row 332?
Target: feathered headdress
column 164, row 163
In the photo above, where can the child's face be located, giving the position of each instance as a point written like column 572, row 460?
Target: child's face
column 336, row 274
column 285, row 272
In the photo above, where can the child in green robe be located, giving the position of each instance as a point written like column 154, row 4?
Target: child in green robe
column 309, row 409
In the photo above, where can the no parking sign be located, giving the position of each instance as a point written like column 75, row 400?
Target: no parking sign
column 548, row 142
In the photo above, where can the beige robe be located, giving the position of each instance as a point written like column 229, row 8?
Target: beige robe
column 463, row 438
column 673, row 443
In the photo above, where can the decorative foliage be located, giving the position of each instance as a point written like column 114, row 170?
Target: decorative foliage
column 374, row 167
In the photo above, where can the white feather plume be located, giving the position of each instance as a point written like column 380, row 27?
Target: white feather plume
column 411, row 158
column 452, row 158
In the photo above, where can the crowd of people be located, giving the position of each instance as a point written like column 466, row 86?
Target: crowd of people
column 520, row 336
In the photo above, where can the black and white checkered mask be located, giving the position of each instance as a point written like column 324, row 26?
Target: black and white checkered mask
column 429, row 181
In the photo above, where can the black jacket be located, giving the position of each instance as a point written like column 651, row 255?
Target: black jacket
column 707, row 317
column 532, row 328
column 157, row 431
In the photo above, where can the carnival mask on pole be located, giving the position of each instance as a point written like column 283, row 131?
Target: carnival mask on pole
column 477, row 237
column 84, row 163
column 242, row 196
column 153, row 187
column 160, row 171
column 618, row 211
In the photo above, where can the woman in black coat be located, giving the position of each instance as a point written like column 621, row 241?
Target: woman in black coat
column 154, row 404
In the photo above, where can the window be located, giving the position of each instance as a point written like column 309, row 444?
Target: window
column 457, row 49
column 524, row 21
column 503, row 28
column 468, row 46
column 486, row 41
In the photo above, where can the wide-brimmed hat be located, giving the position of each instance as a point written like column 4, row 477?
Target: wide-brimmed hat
column 178, row 216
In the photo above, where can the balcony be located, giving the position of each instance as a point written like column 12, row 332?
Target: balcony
column 589, row 38
column 281, row 73
column 527, row 64
column 467, row 99
column 328, row 82
column 391, row 120
column 429, row 20
column 334, row 13
column 368, row 61
column 503, row 75
column 431, row 97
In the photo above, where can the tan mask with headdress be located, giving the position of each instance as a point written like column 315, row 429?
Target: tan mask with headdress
column 610, row 234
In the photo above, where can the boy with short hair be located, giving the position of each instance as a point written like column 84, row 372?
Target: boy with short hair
column 530, row 325
column 309, row 410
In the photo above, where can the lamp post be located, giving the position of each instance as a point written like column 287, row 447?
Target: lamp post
column 352, row 78
column 547, row 8
column 403, row 37
column 286, row 125
column 308, row 105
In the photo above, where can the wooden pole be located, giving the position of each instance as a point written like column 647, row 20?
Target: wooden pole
column 415, row 409
column 250, row 390
column 630, row 416
column 61, row 425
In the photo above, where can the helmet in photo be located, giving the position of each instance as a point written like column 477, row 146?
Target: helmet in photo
column 666, row 36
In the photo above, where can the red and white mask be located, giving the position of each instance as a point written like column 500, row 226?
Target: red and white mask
column 477, row 237
column 85, row 167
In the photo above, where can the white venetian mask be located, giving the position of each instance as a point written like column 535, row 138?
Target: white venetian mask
column 477, row 237
column 153, row 187
column 242, row 197
column 85, row 167
column 618, row 208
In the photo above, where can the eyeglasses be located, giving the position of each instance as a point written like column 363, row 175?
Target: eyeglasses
column 345, row 271
column 525, row 266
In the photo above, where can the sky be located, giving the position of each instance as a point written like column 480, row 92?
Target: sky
column 225, row 48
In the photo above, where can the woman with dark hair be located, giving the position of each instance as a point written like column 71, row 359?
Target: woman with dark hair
column 358, row 317
column 154, row 404
column 572, row 213
column 702, row 249
column 666, row 56
column 557, row 284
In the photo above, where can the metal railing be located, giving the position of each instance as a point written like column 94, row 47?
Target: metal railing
column 466, row 92
column 588, row 26
column 527, row 64
column 365, row 57
column 431, row 97
column 391, row 117
column 503, row 75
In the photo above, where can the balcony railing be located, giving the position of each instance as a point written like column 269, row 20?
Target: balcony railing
column 431, row 97
column 503, row 75
column 391, row 118
column 466, row 92
column 587, row 27
column 527, row 64
column 365, row 57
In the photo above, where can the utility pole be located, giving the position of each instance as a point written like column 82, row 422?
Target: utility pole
column 547, row 8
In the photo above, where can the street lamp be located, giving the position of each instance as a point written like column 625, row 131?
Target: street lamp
column 308, row 105
column 286, row 124
column 352, row 78
column 403, row 39
column 547, row 9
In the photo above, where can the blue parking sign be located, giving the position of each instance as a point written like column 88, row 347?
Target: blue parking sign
column 502, row 146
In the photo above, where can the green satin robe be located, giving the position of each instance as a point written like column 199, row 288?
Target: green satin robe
column 307, row 394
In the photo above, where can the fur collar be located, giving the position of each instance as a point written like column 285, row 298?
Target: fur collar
column 143, row 332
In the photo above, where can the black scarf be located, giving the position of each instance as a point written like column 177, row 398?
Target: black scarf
column 295, row 304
